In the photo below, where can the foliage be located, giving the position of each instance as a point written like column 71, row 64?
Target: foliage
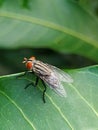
column 76, row 112
column 67, row 27
column 61, row 25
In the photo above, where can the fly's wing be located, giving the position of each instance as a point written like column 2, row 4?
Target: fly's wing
column 54, row 83
column 55, row 80
column 60, row 90
column 63, row 76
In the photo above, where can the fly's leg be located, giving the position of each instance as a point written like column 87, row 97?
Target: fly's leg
column 33, row 84
column 29, row 85
column 44, row 91
column 36, row 83
column 25, row 73
column 22, row 74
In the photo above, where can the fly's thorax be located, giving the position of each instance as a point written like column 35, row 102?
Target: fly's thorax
column 41, row 68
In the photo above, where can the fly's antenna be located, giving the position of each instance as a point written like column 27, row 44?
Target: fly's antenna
column 25, row 60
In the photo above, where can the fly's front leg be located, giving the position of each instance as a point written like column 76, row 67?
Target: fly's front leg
column 44, row 91
column 22, row 74
column 25, row 73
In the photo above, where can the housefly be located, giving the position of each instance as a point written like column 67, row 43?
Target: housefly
column 50, row 75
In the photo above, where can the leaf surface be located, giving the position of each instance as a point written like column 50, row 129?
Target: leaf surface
column 24, row 109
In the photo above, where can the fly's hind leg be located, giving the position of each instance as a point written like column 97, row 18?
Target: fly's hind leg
column 36, row 82
column 44, row 91
column 29, row 85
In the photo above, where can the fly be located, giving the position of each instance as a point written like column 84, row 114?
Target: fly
column 50, row 75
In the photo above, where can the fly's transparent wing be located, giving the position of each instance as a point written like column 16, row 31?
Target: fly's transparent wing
column 56, row 78
column 63, row 76
column 54, row 83
column 60, row 90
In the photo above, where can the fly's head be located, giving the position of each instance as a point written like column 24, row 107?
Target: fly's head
column 29, row 62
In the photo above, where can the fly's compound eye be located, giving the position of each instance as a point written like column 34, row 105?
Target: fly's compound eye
column 29, row 65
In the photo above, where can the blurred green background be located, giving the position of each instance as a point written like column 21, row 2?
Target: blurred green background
column 62, row 33
column 11, row 60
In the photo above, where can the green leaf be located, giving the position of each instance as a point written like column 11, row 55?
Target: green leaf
column 24, row 109
column 62, row 25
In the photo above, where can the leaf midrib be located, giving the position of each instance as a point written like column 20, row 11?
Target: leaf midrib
column 49, row 24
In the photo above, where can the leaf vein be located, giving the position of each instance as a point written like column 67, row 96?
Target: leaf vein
column 58, row 109
column 20, row 110
column 84, row 100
